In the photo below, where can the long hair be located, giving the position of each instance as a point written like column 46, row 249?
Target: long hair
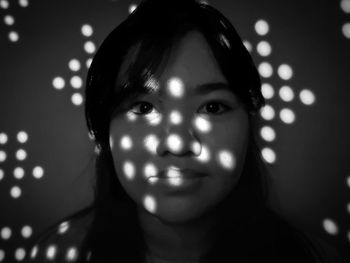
column 154, row 29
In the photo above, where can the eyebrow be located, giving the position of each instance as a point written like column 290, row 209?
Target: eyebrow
column 211, row 87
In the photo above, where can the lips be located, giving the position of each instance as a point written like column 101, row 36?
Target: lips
column 180, row 173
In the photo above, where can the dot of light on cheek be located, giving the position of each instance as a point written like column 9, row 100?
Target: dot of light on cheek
column 151, row 143
column 176, row 87
column 196, row 148
column 126, row 142
column 154, row 119
column 202, row 125
column 131, row 116
column 129, row 170
column 150, row 204
column 226, row 160
column 150, row 170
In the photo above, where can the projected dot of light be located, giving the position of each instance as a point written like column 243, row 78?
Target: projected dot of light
column 267, row 91
column 330, row 226
column 132, row 8
column 268, row 133
column 51, row 252
column 74, row 65
column 265, row 70
column 346, row 30
column 3, row 138
column 129, row 170
column 63, row 227
column 126, row 142
column 150, row 203
column 267, row 112
column 4, row 4
column 20, row 254
column 18, row 172
column 248, row 45
column 269, row 155
column 262, row 27
column 286, row 93
column 287, row 116
column 72, row 254
column 2, row 255
column 34, row 252
column 175, row 117
column 264, row 48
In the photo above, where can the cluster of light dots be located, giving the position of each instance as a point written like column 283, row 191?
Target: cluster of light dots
column 173, row 142
column 6, row 234
column 75, row 66
column 345, row 6
column 9, row 19
column 330, row 225
column 52, row 252
column 285, row 93
column 20, row 155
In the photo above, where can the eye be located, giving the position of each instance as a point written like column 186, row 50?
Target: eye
column 216, row 107
column 142, row 107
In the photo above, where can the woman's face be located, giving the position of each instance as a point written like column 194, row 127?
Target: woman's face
column 179, row 150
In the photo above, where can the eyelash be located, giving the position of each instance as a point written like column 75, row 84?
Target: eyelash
column 226, row 108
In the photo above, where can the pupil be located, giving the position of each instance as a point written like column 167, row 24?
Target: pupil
column 145, row 107
column 213, row 107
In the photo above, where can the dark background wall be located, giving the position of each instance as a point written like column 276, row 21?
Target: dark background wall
column 45, row 151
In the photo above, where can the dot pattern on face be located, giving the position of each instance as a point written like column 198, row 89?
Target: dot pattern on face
column 176, row 87
column 175, row 117
column 226, row 159
column 151, row 143
column 131, row 116
column 150, row 170
column 202, row 124
column 72, row 254
column 149, row 203
column 204, row 155
column 154, row 118
column 196, row 148
column 174, row 142
column 126, row 142
column 129, row 170
column 51, row 252
column 174, row 176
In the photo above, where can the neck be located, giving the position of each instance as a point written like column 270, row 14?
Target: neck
column 177, row 242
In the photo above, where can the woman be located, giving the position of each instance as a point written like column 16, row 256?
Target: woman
column 170, row 102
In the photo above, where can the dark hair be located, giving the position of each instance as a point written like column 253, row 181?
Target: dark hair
column 154, row 28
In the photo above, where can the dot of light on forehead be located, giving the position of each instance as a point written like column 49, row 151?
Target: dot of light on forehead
column 34, row 252
column 126, row 142
column 20, row 254
column 51, row 252
column 265, row 70
column 204, row 155
column 345, row 6
column 87, row 30
column 6, row 233
column 268, row 133
column 269, row 155
column 58, row 83
column 9, row 20
column 26, row 231
column 72, row 254
column 132, row 8
column 150, row 170
column 307, row 97
column 18, row 172
column 287, row 116
column 285, row 72
column 346, row 30
column 153, row 118
column 262, row 27
column 175, row 117
column 15, row 192
column 129, row 170
column 176, row 87
column 264, row 48
column 267, row 91
column 247, row 45
column 226, row 159
column 21, row 154
column 149, row 203
column 13, row 36
column 151, row 143
column 202, row 124
column 330, row 226
column 3, row 156
column 3, row 138
column 22, row 137
column 174, row 142
column 267, row 113
column 286, row 93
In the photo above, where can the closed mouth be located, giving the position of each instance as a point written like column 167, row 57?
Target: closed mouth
column 180, row 173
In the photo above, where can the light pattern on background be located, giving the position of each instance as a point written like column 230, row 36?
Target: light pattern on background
column 9, row 18
column 75, row 66
column 345, row 7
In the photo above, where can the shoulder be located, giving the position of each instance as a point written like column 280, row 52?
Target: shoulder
column 61, row 241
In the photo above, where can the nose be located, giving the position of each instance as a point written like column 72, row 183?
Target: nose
column 179, row 140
